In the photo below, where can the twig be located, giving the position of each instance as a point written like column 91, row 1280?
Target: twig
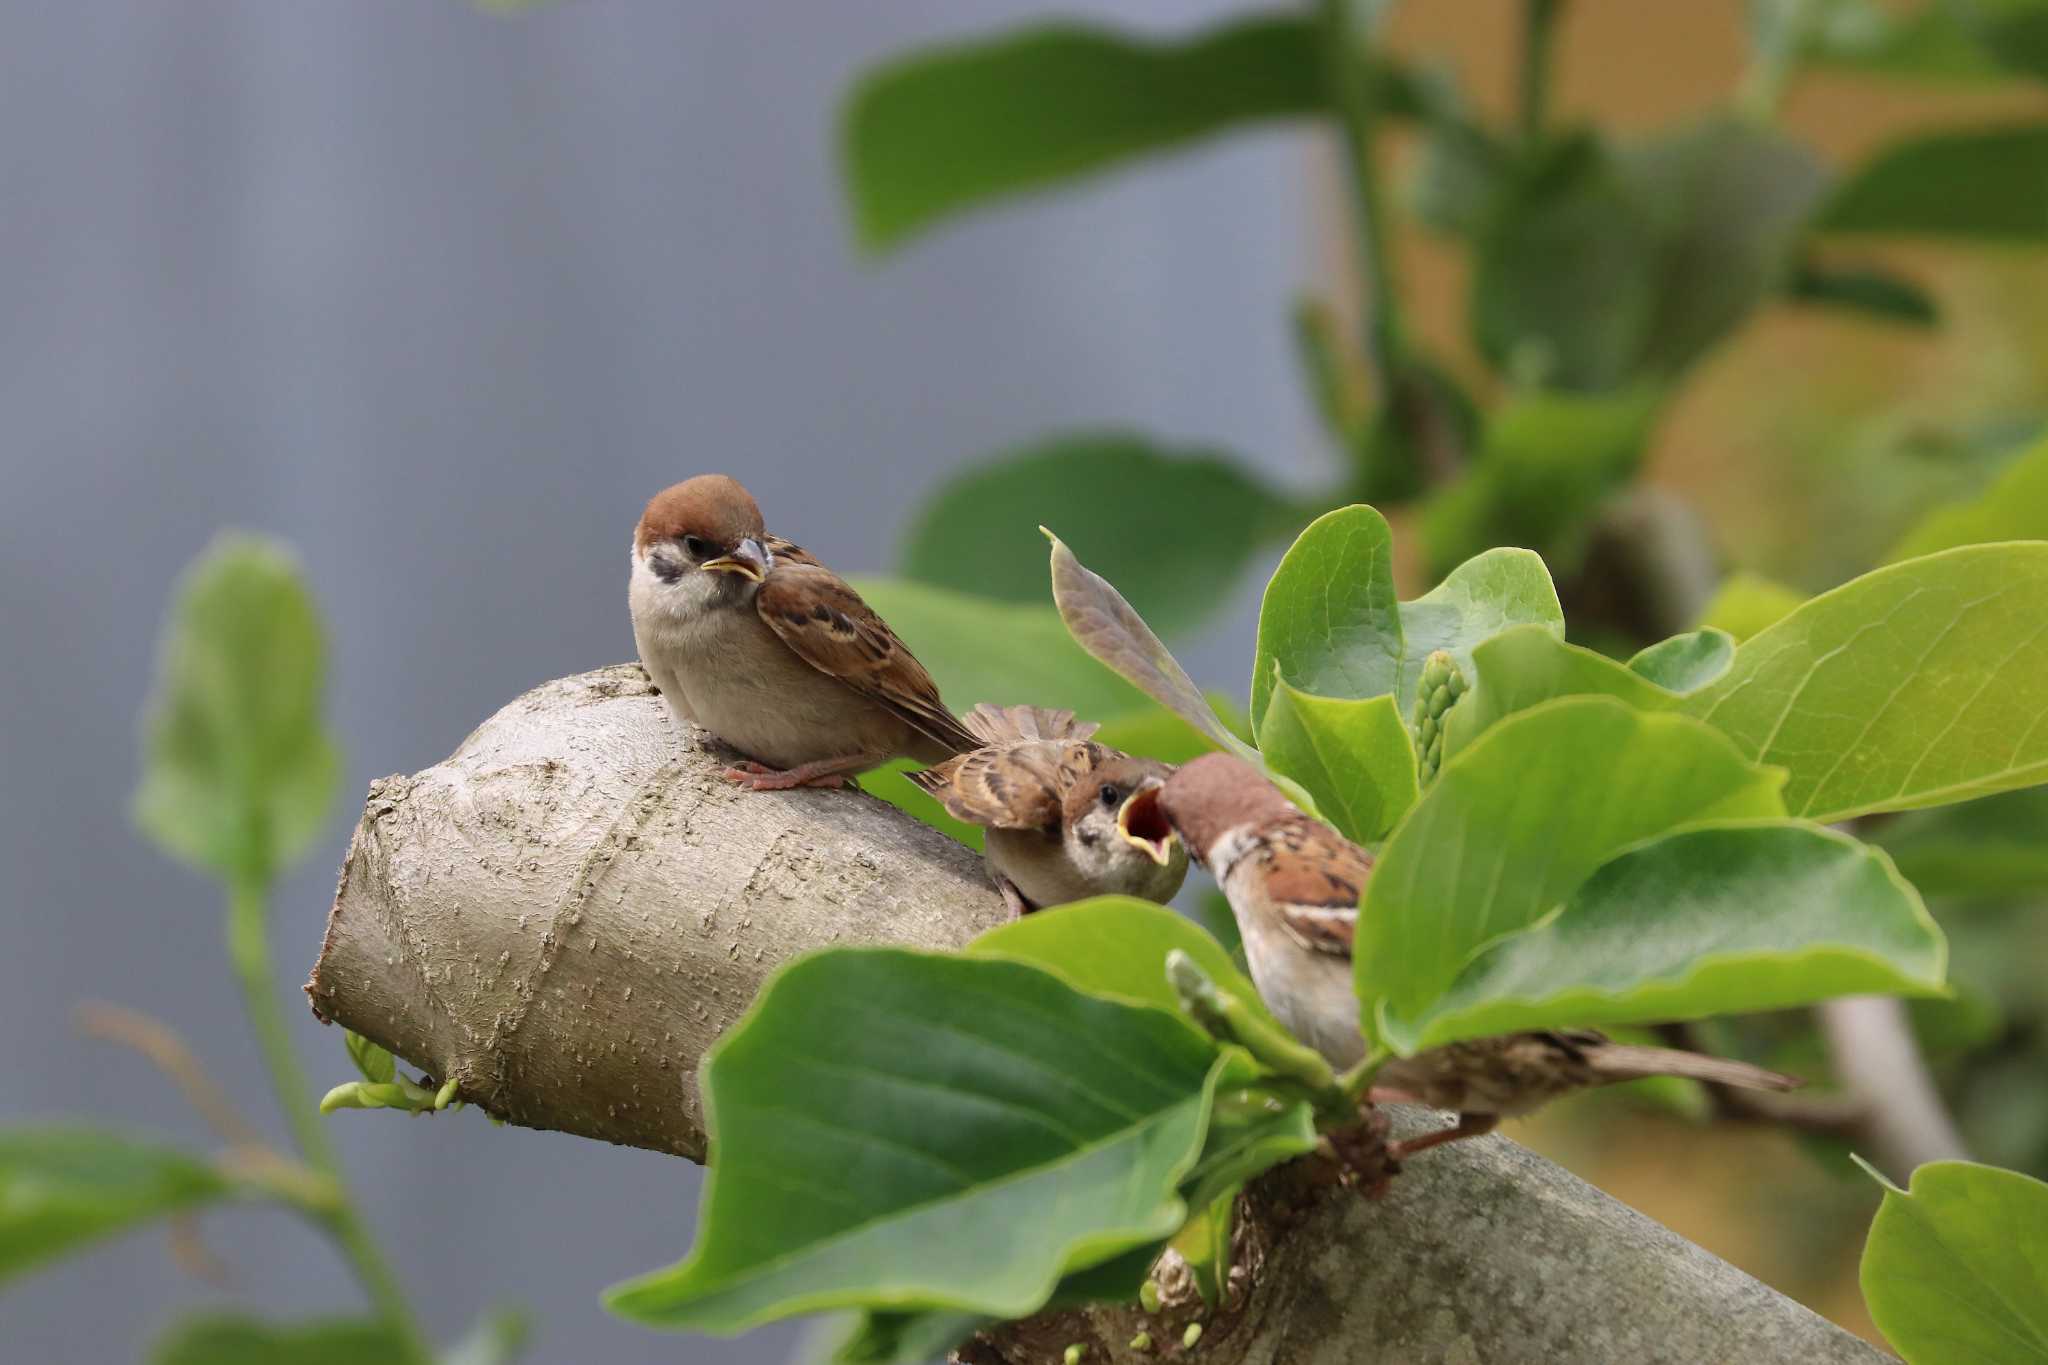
column 160, row 1043
column 1877, row 1057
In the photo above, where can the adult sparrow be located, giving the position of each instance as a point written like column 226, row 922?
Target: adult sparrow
column 1294, row 885
column 753, row 639
column 1066, row 818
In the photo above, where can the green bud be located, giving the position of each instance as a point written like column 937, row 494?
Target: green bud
column 445, row 1096
column 1142, row 1342
column 1148, row 1296
column 375, row 1063
column 1073, row 1354
column 1191, row 1336
column 1441, row 685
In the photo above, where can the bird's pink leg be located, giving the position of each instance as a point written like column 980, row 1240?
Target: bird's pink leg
column 824, row 772
column 1469, row 1125
column 1012, row 897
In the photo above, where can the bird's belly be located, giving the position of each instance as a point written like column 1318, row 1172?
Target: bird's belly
column 745, row 686
column 1311, row 993
column 1037, row 864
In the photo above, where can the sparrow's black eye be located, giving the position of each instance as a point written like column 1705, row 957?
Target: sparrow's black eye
column 1110, row 796
column 696, row 547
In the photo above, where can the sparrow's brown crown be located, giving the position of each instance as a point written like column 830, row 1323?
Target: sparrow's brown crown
column 1207, row 797
column 712, row 506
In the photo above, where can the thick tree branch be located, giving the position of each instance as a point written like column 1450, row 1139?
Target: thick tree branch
column 564, row 914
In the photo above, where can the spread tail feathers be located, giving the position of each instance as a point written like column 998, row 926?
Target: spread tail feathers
column 1626, row 1062
column 934, row 779
column 1008, row 724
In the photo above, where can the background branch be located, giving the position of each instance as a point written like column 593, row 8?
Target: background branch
column 564, row 915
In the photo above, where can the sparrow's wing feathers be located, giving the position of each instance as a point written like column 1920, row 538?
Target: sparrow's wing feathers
column 1314, row 876
column 1010, row 786
column 786, row 552
column 995, row 725
column 830, row 628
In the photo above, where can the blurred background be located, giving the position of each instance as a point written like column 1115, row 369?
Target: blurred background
column 439, row 296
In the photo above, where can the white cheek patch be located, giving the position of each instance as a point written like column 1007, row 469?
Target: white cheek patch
column 1228, row 848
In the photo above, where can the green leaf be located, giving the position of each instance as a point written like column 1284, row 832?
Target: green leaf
column 1330, row 624
column 1204, row 1244
column 1156, row 732
column 1982, row 183
column 239, row 772
column 929, row 135
column 1747, row 605
column 1248, row 1135
column 2014, row 507
column 1355, row 757
column 1545, row 464
column 1686, row 663
column 1519, row 819
column 1869, row 290
column 904, row 1130
column 1956, row 1268
column 978, row 650
column 61, row 1188
column 913, row 1338
column 1936, row 42
column 374, row 1062
column 1115, row 947
column 1922, row 683
column 1106, row 627
column 1996, row 846
column 1172, row 529
column 230, row 1339
column 1528, row 666
column 1602, row 267
column 1565, row 271
column 1720, row 919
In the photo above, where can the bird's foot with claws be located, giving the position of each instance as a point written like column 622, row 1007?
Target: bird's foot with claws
column 762, row 778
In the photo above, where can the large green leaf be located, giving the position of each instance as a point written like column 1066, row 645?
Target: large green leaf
column 1996, row 846
column 1172, row 529
column 61, row 1188
column 1981, row 183
column 1355, row 757
column 1331, row 626
column 2014, row 507
column 1720, row 919
column 239, row 772
column 1520, row 818
column 1922, row 683
column 903, row 1130
column 930, row 134
column 1956, row 1269
column 1115, row 947
column 230, row 1339
column 1248, row 1134
column 1545, row 464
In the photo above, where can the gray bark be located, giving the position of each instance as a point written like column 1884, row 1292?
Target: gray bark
column 567, row 912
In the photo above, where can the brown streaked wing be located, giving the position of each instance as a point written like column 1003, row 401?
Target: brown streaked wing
column 1315, row 877
column 1010, row 786
column 829, row 627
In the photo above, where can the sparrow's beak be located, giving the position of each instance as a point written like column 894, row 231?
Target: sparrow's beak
column 1141, row 820
column 749, row 559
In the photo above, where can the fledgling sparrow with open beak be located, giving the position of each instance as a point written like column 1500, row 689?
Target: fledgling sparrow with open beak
column 1294, row 885
column 1066, row 818
column 751, row 638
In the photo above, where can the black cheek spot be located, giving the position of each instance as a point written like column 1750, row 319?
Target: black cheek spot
column 667, row 569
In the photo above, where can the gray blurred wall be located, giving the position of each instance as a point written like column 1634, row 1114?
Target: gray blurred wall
column 440, row 298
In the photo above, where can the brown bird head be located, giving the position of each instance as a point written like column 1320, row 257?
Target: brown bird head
column 1207, row 797
column 1116, row 834
column 705, row 525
